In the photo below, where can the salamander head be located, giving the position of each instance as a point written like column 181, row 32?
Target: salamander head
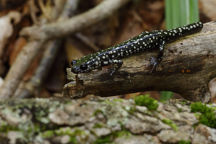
column 85, row 64
column 79, row 68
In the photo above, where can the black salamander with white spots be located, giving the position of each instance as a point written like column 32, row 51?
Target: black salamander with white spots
column 144, row 42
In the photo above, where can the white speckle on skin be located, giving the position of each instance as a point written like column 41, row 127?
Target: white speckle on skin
column 115, row 61
column 105, row 62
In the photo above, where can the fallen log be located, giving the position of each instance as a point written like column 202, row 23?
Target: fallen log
column 187, row 67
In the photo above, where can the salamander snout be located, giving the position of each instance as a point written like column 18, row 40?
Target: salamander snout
column 75, row 70
column 78, row 68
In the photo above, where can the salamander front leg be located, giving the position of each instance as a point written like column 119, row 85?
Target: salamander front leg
column 155, row 61
column 116, row 64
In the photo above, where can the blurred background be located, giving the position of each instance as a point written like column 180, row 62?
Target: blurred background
column 128, row 21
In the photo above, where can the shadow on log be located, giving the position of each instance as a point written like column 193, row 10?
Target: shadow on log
column 187, row 67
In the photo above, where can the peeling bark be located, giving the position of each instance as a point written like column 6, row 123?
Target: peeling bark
column 187, row 67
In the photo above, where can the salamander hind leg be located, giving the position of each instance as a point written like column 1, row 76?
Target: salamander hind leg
column 116, row 64
column 155, row 61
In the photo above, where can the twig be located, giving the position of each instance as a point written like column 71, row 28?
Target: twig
column 59, row 7
column 46, row 12
column 19, row 68
column 187, row 67
column 86, row 41
column 70, row 8
column 49, row 31
column 32, row 87
column 60, row 29
column 33, row 11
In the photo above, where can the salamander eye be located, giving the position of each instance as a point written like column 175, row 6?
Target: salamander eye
column 83, row 67
column 73, row 62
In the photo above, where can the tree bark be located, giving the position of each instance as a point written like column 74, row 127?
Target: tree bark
column 187, row 67
column 46, row 121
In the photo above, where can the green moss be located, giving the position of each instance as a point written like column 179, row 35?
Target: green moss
column 170, row 123
column 118, row 100
column 184, row 102
column 165, row 96
column 109, row 102
column 5, row 128
column 130, row 109
column 48, row 134
column 179, row 110
column 71, row 133
column 98, row 125
column 110, row 138
column 122, row 133
column 145, row 100
column 207, row 116
column 184, row 142
column 104, row 140
column 98, row 111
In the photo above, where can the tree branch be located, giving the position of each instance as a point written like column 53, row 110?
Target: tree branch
column 48, row 31
column 33, row 86
column 60, row 29
column 187, row 67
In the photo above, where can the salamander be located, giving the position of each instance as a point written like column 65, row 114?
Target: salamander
column 144, row 42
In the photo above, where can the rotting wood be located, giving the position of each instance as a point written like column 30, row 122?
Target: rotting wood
column 187, row 67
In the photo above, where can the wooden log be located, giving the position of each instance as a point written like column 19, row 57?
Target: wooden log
column 187, row 66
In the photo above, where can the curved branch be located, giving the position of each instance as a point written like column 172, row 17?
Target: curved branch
column 60, row 29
